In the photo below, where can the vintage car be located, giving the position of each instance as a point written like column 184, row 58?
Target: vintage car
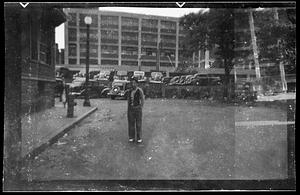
column 166, row 80
column 78, row 88
column 119, row 89
column 174, row 80
column 205, row 80
column 188, row 79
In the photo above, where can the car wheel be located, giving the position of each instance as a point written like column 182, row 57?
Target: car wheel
column 112, row 97
column 104, row 94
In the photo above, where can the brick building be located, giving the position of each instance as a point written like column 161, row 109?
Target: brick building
column 38, row 55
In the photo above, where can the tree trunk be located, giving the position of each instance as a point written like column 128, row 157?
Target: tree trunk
column 255, row 51
column 226, row 81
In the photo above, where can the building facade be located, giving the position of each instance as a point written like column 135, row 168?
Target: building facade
column 38, row 56
column 122, row 41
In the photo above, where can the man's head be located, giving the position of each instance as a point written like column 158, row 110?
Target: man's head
column 133, row 82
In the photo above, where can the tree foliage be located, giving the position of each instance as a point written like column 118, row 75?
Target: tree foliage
column 212, row 29
column 277, row 38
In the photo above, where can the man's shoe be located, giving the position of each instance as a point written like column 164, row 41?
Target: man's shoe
column 131, row 140
column 139, row 141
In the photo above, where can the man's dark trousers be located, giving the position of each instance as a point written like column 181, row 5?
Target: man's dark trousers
column 134, row 122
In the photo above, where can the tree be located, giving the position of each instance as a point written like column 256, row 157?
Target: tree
column 212, row 29
column 277, row 40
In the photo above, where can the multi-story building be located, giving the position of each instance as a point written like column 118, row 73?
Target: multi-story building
column 122, row 41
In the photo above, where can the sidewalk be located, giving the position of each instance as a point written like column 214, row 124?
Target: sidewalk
column 42, row 129
column 281, row 96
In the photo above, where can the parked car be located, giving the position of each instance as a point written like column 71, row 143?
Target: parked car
column 119, row 89
column 188, row 79
column 174, row 80
column 181, row 80
column 200, row 80
column 245, row 92
column 78, row 89
column 166, row 80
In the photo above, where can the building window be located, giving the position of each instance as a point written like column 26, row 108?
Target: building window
column 45, row 46
column 129, row 63
column 72, row 49
column 72, row 34
column 33, row 39
column 93, row 52
column 109, row 21
column 93, row 35
column 129, row 36
column 109, row 34
column 126, row 21
column 106, row 49
column 129, row 51
column 149, row 23
column 149, row 51
column 71, row 19
column 168, row 25
column 168, row 41
column 109, row 62
column 72, row 61
column 149, row 38
column 148, row 63
column 91, row 61
column 168, row 53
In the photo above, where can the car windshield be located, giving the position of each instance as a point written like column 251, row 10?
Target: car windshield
column 77, row 83
column 118, row 84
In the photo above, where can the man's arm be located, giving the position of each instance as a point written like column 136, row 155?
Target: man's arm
column 142, row 98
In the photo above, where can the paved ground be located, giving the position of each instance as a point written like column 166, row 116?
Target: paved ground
column 39, row 127
column 280, row 96
column 183, row 139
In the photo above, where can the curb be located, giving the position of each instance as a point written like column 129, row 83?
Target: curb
column 52, row 140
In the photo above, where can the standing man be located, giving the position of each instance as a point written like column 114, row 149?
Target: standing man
column 111, row 77
column 135, row 97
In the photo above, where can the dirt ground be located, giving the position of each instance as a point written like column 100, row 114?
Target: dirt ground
column 182, row 139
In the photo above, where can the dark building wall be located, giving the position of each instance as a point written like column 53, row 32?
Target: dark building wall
column 38, row 59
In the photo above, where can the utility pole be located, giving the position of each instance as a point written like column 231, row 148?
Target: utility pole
column 158, row 56
column 281, row 66
column 255, row 51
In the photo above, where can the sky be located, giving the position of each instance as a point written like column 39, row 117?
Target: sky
column 171, row 12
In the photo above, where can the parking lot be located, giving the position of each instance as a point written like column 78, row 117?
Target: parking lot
column 183, row 139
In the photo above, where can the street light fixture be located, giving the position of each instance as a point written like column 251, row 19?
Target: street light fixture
column 88, row 22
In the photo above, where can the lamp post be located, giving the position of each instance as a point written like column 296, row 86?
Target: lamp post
column 87, row 21
column 159, row 47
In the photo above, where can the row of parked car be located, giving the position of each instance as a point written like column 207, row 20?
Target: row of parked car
column 102, row 88
column 196, row 79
